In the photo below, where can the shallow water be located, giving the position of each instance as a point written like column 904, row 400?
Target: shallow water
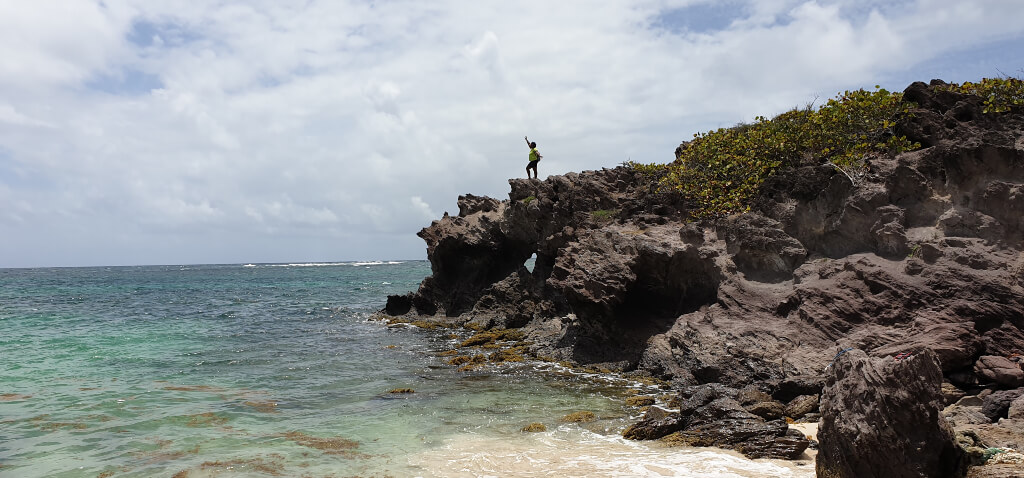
column 275, row 370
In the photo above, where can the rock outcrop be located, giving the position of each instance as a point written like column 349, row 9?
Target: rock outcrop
column 924, row 251
column 710, row 415
column 880, row 418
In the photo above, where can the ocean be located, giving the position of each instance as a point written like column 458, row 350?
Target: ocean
column 280, row 370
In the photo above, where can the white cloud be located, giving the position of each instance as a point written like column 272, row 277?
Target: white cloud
column 10, row 115
column 426, row 213
column 262, row 121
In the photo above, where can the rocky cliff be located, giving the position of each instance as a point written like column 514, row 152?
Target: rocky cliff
column 922, row 251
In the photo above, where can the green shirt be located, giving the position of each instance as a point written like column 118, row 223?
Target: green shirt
column 534, row 154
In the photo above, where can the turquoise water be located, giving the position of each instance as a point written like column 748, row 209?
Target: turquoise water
column 277, row 370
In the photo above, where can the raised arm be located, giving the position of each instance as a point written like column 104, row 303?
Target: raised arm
column 527, row 141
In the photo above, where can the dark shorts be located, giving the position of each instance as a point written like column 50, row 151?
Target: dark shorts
column 532, row 164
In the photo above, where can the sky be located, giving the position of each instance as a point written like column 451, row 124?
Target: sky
column 181, row 132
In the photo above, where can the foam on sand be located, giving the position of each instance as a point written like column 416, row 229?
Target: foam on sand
column 572, row 452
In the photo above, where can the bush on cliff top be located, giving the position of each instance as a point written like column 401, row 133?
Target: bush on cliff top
column 1000, row 94
column 721, row 171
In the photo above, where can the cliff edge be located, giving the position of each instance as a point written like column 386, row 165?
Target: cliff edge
column 921, row 251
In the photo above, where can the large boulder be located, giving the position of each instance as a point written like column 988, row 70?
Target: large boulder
column 881, row 419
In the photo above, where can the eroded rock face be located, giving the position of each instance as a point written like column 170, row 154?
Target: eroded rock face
column 880, row 418
column 924, row 251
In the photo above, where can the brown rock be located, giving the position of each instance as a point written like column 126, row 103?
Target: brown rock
column 907, row 437
column 1000, row 370
column 922, row 252
column 950, row 393
column 1016, row 410
column 751, row 394
column 959, row 415
column 770, row 410
column 996, row 405
column 657, row 423
column 1005, row 470
column 709, row 415
column 802, row 405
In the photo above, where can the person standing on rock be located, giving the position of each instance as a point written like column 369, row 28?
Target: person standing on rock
column 534, row 158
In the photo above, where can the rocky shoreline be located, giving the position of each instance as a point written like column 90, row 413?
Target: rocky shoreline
column 895, row 296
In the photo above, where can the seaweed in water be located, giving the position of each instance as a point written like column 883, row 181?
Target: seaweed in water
column 329, row 445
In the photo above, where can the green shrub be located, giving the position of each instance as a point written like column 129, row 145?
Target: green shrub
column 1000, row 94
column 604, row 215
column 653, row 170
column 721, row 171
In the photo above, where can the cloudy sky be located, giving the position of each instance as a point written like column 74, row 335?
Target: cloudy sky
column 174, row 132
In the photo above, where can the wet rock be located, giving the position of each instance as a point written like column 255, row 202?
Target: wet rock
column 1000, row 370
column 398, row 304
column 710, row 416
column 657, row 423
column 907, row 437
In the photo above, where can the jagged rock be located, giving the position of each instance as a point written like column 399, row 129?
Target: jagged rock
column 907, row 437
column 398, row 304
column 802, row 405
column 1000, row 370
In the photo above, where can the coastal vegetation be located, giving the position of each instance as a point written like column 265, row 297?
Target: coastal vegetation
column 1000, row 94
column 721, row 171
